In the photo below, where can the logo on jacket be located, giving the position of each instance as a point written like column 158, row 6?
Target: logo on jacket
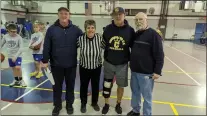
column 12, row 43
column 35, row 38
column 117, row 42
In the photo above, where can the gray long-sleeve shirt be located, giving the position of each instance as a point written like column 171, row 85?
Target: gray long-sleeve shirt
column 36, row 39
column 14, row 45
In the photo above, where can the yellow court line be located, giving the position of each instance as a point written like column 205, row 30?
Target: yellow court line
column 174, row 109
column 115, row 97
column 166, row 103
column 28, row 87
column 165, row 71
column 180, row 72
column 43, row 89
column 191, row 106
column 169, row 71
column 192, row 73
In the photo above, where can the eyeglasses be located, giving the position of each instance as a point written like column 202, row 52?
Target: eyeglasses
column 13, row 31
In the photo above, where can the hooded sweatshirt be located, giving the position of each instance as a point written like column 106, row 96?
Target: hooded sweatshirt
column 117, row 43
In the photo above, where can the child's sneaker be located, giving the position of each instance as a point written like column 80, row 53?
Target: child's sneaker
column 33, row 74
column 40, row 74
column 22, row 83
column 14, row 83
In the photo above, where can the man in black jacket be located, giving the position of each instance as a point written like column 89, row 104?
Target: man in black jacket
column 61, row 49
column 146, row 63
column 118, row 37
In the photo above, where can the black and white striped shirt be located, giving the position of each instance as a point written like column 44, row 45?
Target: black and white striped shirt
column 90, row 51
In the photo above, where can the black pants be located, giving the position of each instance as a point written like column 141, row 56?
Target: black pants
column 85, row 76
column 59, row 74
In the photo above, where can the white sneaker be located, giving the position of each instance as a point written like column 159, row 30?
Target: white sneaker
column 22, row 83
column 14, row 83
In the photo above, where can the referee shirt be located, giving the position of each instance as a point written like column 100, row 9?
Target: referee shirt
column 90, row 51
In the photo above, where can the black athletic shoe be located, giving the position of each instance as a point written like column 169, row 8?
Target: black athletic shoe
column 96, row 107
column 14, row 83
column 118, row 108
column 69, row 109
column 83, row 108
column 56, row 111
column 131, row 113
column 105, row 109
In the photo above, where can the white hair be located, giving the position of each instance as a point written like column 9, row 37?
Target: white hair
column 141, row 14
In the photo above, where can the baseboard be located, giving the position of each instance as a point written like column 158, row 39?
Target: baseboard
column 189, row 40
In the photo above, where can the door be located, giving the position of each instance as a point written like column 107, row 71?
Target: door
column 21, row 21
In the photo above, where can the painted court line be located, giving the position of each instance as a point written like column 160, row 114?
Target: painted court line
column 169, row 83
column 186, row 54
column 115, row 97
column 179, row 72
column 174, row 109
column 166, row 103
column 183, row 71
column 3, row 108
column 164, row 71
column 47, row 89
column 180, row 84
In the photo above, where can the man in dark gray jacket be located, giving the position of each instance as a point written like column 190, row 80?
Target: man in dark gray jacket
column 146, row 63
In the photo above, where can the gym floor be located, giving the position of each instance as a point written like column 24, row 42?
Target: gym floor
column 180, row 91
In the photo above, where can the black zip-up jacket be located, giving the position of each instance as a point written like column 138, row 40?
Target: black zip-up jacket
column 147, row 55
column 60, row 45
column 117, row 43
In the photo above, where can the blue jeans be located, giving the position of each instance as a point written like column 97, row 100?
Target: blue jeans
column 141, row 84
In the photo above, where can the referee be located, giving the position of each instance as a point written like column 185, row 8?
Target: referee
column 90, row 64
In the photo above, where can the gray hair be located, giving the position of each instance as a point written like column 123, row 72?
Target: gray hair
column 89, row 22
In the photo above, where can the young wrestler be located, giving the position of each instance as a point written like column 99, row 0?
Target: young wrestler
column 14, row 45
column 37, row 39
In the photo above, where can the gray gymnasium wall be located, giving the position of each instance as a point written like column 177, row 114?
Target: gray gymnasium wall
column 185, row 28
column 79, row 21
column 5, row 17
